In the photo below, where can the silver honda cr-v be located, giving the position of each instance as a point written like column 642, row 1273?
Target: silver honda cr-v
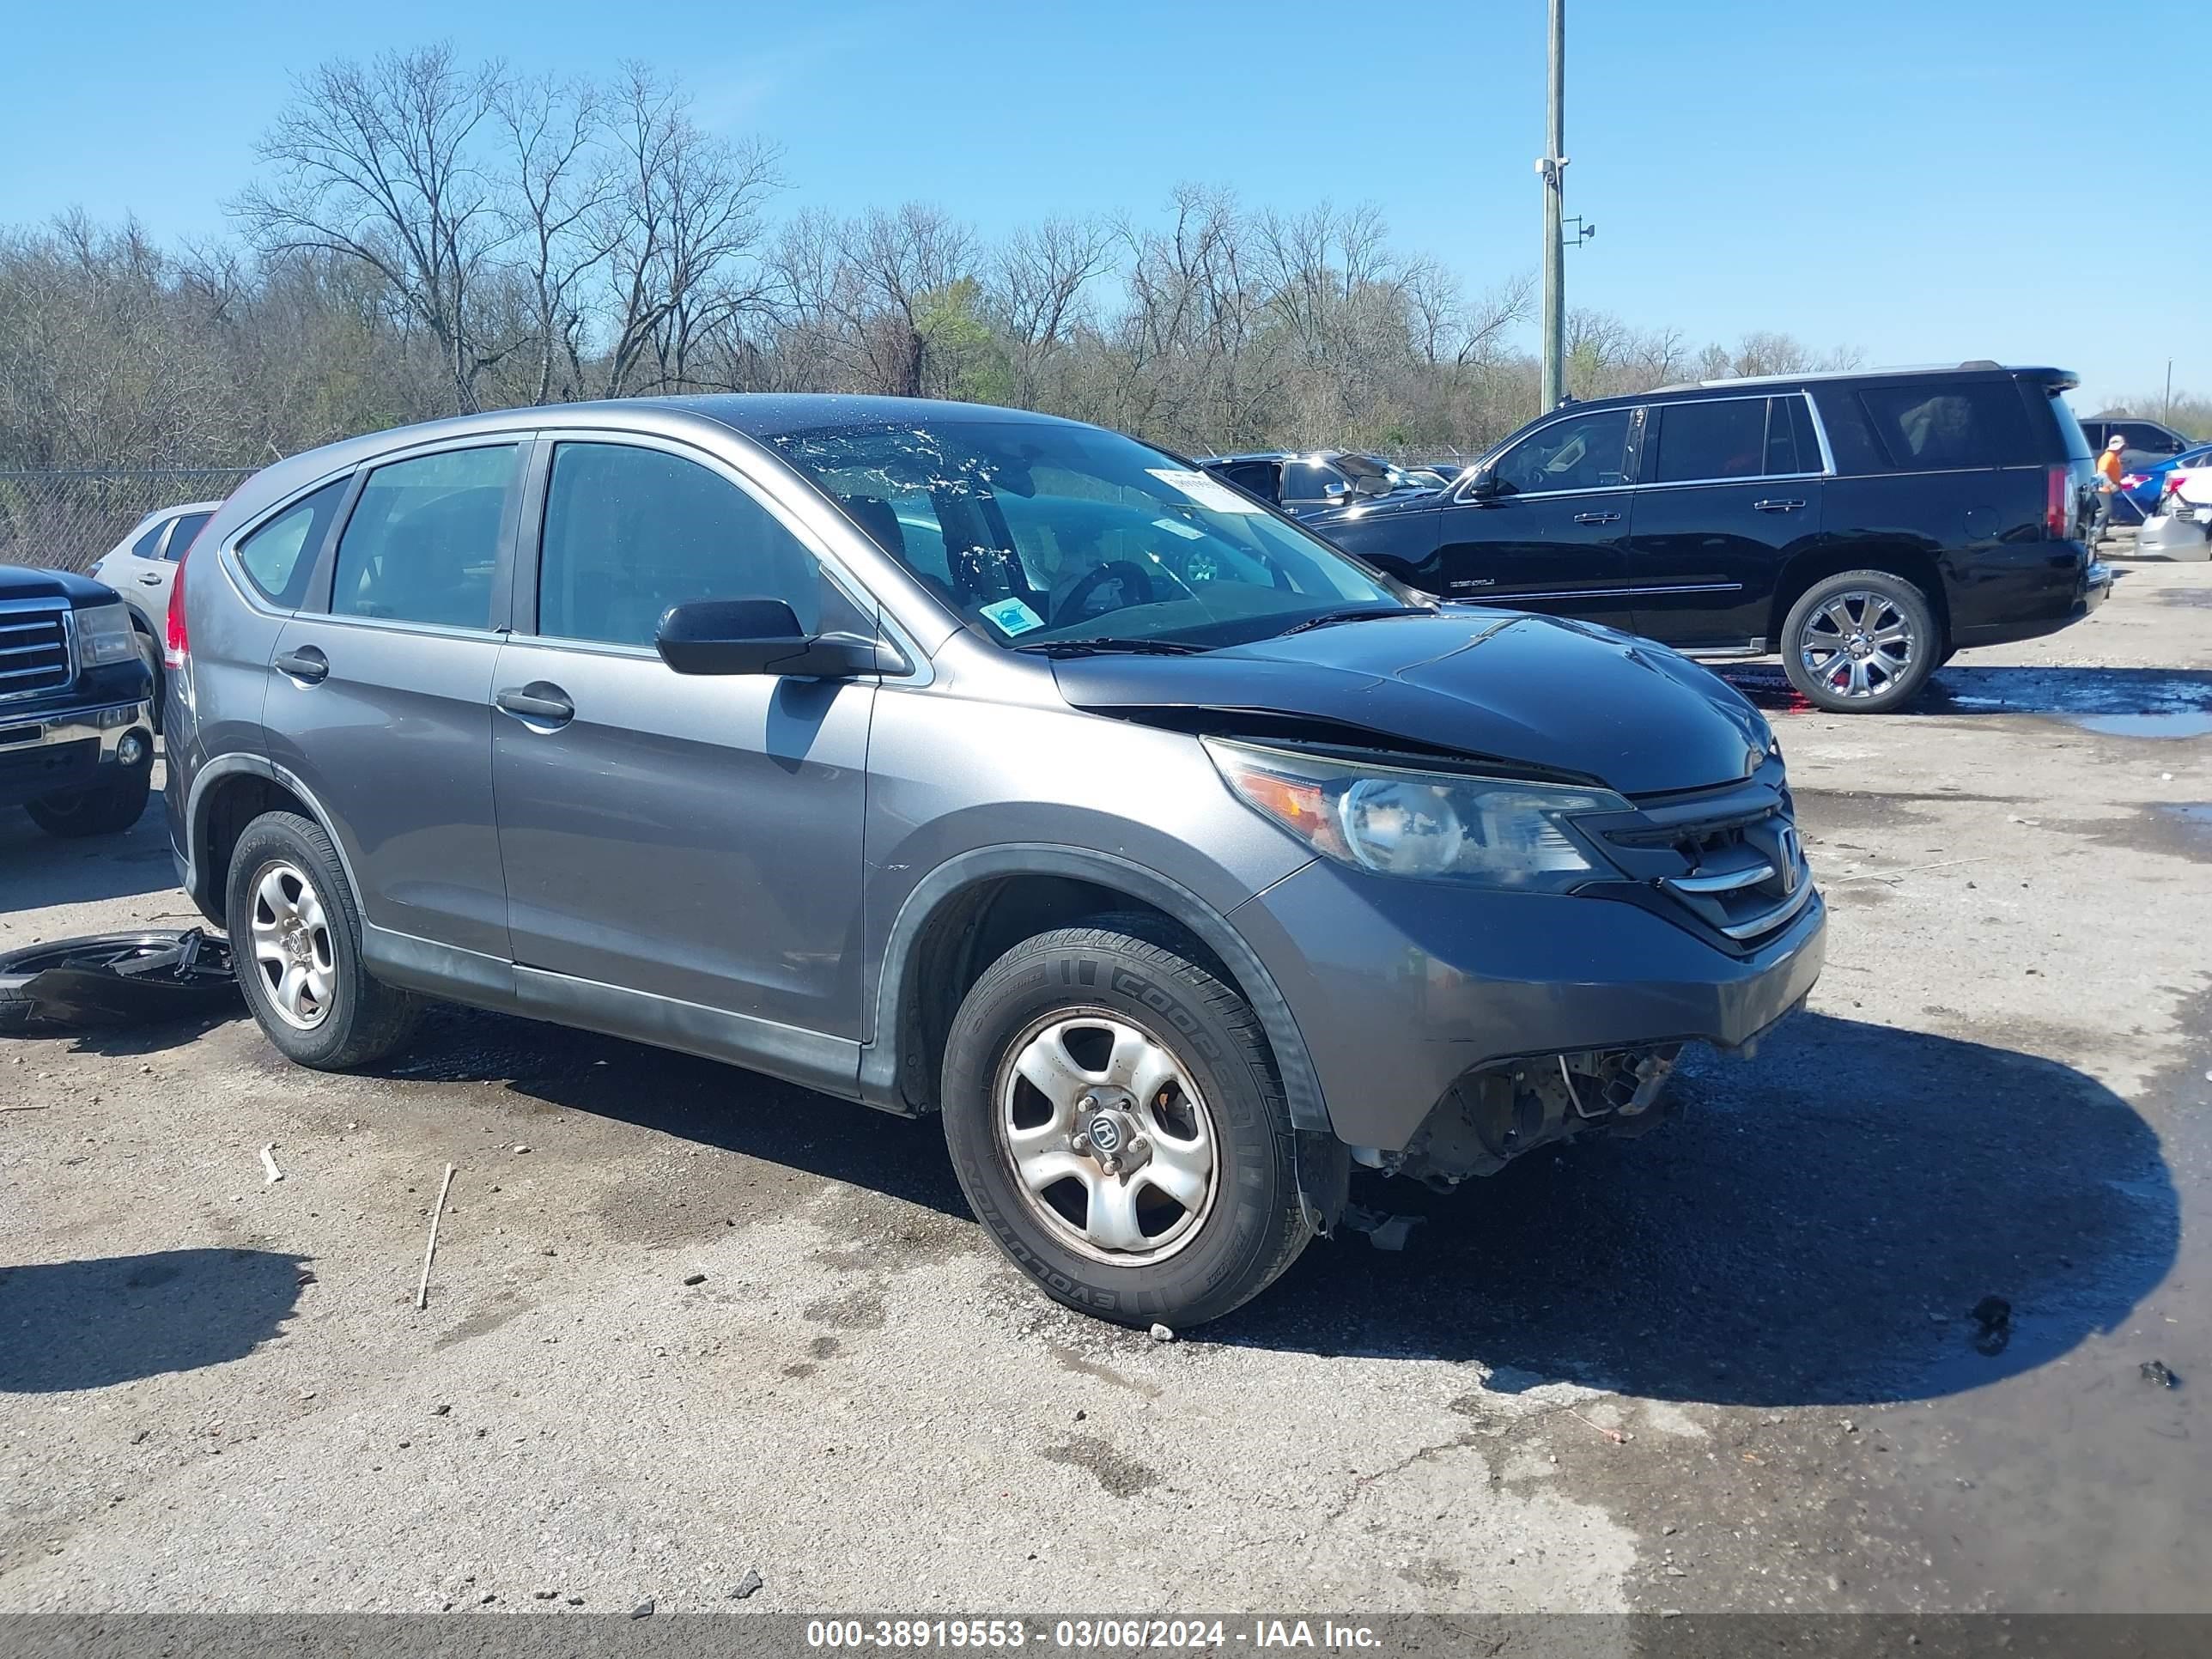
column 958, row 760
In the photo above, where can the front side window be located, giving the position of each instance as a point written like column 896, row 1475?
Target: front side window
column 630, row 531
column 1311, row 480
column 180, row 539
column 279, row 558
column 1581, row 451
column 1039, row 533
column 423, row 544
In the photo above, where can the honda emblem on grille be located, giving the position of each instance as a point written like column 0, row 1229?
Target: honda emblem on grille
column 1785, row 843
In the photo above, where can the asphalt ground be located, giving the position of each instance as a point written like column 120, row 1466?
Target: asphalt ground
column 1732, row 1365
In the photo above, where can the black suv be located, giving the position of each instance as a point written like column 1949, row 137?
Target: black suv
column 1864, row 525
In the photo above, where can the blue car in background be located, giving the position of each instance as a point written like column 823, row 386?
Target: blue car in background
column 2143, row 486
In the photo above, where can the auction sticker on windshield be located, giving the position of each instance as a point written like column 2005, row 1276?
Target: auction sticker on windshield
column 1209, row 492
column 1012, row 616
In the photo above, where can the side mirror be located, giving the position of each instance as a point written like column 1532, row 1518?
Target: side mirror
column 1482, row 487
column 761, row 636
column 1333, row 490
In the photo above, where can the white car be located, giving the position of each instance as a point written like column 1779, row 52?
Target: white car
column 2181, row 526
column 140, row 568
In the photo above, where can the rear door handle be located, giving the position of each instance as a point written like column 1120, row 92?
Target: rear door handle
column 149, row 581
column 1777, row 506
column 539, row 702
column 1597, row 518
column 306, row 664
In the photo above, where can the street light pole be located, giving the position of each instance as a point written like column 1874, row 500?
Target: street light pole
column 1552, row 167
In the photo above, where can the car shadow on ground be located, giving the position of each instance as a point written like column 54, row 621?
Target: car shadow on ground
column 701, row 1101
column 90, row 1324
column 1818, row 1227
column 37, row 870
column 2118, row 702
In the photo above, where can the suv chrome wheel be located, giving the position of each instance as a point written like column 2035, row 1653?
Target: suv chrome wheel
column 1858, row 644
column 291, row 952
column 1112, row 1145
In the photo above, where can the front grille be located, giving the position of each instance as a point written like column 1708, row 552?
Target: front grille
column 34, row 647
column 1731, row 859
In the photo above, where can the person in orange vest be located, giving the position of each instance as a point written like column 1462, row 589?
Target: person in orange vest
column 2108, row 485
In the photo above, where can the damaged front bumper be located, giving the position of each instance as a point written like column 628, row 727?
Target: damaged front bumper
column 1420, row 1001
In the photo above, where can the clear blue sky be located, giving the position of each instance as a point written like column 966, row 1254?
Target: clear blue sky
column 1919, row 181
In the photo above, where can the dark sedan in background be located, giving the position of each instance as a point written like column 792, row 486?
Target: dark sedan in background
column 1863, row 526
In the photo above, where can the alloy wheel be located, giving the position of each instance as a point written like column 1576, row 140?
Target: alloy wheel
column 292, row 945
column 1110, row 1144
column 1858, row 644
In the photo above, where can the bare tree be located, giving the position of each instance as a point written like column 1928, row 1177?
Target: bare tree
column 684, row 232
column 558, row 187
column 1039, row 284
column 374, row 162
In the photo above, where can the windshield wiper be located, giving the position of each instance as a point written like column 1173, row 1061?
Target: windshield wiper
column 1104, row 644
column 1328, row 617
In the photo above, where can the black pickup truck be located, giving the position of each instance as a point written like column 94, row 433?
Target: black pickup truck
column 1862, row 525
column 77, row 731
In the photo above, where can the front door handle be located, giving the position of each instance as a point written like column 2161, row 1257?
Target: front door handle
column 149, row 581
column 1776, row 507
column 1597, row 518
column 539, row 702
column 306, row 664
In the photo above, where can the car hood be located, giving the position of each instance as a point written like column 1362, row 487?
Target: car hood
column 1394, row 505
column 19, row 581
column 1541, row 694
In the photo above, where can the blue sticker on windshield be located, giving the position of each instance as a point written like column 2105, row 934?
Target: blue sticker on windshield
column 1012, row 616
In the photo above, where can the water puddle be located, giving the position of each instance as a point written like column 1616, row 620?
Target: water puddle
column 2167, row 723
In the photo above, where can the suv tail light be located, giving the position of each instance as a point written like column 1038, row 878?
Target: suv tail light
column 2058, row 507
column 177, row 648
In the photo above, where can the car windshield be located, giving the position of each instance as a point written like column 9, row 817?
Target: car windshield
column 1039, row 533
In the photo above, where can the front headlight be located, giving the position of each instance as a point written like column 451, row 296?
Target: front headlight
column 1440, row 826
column 104, row 636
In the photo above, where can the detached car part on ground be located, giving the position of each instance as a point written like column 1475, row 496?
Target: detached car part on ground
column 115, row 979
column 957, row 760
column 1864, row 527
column 76, row 737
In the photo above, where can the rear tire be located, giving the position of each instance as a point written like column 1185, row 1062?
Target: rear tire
column 1863, row 642
column 106, row 808
column 1172, row 1196
column 295, row 938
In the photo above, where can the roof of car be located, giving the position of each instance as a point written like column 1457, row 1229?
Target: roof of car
column 772, row 414
column 1893, row 372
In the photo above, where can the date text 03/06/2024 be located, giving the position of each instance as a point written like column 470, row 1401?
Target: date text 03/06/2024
column 1086, row 1634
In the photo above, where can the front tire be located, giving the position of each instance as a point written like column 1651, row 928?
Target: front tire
column 295, row 938
column 106, row 808
column 1115, row 1121
column 1864, row 642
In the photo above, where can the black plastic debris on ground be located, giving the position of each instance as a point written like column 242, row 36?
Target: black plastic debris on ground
column 2154, row 1372
column 116, row 979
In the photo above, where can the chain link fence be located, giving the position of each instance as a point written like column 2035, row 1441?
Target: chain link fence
column 66, row 519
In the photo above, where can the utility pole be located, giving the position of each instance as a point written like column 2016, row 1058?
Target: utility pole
column 1552, row 167
column 2168, row 416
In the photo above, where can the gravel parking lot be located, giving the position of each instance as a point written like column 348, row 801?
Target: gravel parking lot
column 1736, row 1364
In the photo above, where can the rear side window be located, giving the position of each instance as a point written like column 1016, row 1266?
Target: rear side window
column 1978, row 423
column 180, row 539
column 279, row 558
column 630, row 531
column 1724, row 439
column 424, row 540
